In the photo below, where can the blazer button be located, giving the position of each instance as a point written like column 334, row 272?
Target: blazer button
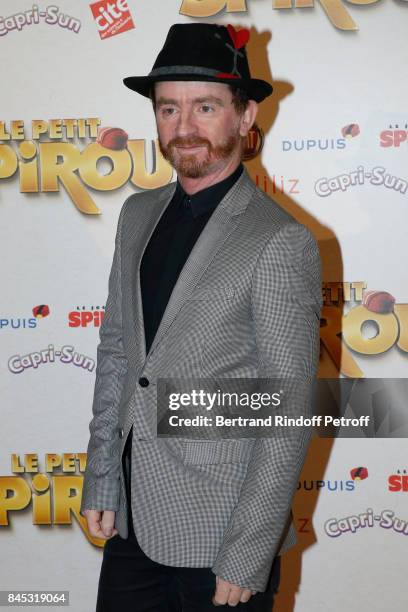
column 143, row 381
column 121, row 432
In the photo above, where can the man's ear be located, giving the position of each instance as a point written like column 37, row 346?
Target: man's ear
column 248, row 118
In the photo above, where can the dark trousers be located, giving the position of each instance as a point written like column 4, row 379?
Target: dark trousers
column 132, row 582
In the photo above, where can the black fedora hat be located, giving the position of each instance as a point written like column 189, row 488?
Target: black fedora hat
column 203, row 52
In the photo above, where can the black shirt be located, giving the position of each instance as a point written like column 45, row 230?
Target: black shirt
column 170, row 244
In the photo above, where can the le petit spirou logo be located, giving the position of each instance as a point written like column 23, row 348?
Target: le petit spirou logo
column 335, row 9
column 53, row 493
column 348, row 310
column 79, row 154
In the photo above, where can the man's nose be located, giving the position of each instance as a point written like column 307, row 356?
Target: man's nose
column 185, row 124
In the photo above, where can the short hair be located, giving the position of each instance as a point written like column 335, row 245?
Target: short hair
column 240, row 97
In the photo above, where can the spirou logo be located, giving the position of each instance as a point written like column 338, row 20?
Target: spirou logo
column 394, row 136
column 86, row 317
column 398, row 482
column 335, row 9
column 66, row 153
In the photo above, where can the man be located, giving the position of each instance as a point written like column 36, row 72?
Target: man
column 210, row 278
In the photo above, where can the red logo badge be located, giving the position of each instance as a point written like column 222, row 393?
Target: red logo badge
column 112, row 17
column 359, row 473
column 43, row 310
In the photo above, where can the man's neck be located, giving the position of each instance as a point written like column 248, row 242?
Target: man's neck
column 192, row 186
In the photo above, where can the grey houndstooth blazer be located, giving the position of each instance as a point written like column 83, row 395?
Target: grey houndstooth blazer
column 247, row 303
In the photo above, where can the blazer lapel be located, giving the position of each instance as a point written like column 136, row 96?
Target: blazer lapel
column 219, row 226
column 139, row 228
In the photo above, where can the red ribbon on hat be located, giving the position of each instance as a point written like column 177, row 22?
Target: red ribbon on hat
column 238, row 37
column 226, row 75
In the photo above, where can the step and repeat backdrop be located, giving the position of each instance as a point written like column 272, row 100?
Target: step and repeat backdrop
column 74, row 143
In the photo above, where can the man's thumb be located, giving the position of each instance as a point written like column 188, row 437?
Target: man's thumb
column 108, row 520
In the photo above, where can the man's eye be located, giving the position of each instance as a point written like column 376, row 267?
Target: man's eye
column 206, row 108
column 168, row 111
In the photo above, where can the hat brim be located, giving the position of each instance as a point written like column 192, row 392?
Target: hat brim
column 257, row 89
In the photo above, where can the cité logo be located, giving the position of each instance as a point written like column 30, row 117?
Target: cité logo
column 112, row 17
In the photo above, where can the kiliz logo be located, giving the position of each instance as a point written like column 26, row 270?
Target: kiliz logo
column 112, row 17
column 335, row 9
column 303, row 525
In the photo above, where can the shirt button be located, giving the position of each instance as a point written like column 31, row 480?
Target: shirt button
column 143, row 381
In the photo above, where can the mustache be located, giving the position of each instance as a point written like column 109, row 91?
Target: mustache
column 189, row 141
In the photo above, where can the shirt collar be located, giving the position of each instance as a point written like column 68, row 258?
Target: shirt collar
column 207, row 199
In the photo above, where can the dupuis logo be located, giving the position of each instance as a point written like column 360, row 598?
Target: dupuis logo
column 326, row 485
column 359, row 473
column 39, row 312
column 348, row 132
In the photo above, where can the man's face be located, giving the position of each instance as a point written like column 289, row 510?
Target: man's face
column 199, row 130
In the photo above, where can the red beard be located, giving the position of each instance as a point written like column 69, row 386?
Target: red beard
column 188, row 165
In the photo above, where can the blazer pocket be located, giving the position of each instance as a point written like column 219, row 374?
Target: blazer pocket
column 217, row 451
column 225, row 292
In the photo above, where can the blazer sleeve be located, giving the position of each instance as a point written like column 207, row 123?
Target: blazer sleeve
column 101, row 483
column 286, row 309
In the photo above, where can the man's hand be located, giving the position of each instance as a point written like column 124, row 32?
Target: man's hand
column 231, row 594
column 100, row 523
